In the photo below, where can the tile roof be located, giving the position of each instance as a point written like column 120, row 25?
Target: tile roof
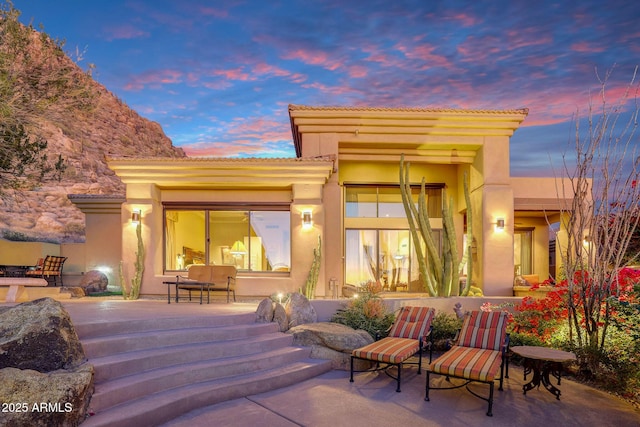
column 406, row 109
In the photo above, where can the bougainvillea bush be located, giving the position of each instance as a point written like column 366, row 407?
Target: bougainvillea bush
column 545, row 322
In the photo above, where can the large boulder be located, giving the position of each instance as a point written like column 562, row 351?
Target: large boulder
column 58, row 398
column 280, row 317
column 332, row 341
column 94, row 282
column 264, row 312
column 300, row 311
column 39, row 335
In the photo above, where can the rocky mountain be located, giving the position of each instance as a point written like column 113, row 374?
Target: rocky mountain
column 108, row 127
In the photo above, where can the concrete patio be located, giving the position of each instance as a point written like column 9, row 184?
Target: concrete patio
column 331, row 400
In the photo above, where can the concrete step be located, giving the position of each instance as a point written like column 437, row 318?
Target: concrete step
column 124, row 389
column 88, row 330
column 119, row 343
column 164, row 406
column 132, row 362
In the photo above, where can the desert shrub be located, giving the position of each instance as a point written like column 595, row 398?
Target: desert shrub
column 367, row 312
column 16, row 236
column 445, row 328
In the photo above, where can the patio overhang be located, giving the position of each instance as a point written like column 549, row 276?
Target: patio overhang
column 222, row 173
column 443, row 136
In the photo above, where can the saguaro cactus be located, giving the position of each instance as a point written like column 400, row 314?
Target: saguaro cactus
column 441, row 273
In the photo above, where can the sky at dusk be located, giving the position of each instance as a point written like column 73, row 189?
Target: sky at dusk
column 218, row 75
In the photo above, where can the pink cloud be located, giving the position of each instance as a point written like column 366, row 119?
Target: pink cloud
column 246, row 136
column 357, row 71
column 125, row 32
column 464, row 19
column 315, row 57
column 527, row 37
column 233, row 74
column 329, row 90
column 470, row 51
column 216, row 13
column 424, row 53
column 154, row 78
column 585, row 47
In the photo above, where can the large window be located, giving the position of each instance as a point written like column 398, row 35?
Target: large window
column 523, row 251
column 385, row 256
column 252, row 240
column 378, row 243
column 386, row 201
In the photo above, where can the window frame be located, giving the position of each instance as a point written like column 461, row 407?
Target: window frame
column 208, row 207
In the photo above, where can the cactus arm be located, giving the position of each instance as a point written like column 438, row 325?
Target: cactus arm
column 412, row 213
column 467, row 257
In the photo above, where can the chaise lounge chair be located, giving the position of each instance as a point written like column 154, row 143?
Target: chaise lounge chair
column 407, row 336
column 480, row 352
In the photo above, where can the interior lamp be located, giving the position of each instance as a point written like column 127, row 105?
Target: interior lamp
column 238, row 248
column 500, row 224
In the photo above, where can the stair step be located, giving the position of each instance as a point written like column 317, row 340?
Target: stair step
column 90, row 330
column 121, row 390
column 106, row 345
column 128, row 363
column 164, row 406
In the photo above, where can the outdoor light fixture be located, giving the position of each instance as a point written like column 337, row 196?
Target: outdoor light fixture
column 135, row 216
column 306, row 219
column 500, row 224
column 238, row 248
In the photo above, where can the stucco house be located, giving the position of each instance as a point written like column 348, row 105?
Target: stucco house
column 266, row 215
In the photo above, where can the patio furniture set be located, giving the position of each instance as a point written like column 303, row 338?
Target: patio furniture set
column 204, row 278
column 47, row 271
column 480, row 354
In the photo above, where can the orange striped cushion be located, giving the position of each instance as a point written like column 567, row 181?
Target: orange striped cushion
column 484, row 329
column 471, row 363
column 388, row 350
column 412, row 322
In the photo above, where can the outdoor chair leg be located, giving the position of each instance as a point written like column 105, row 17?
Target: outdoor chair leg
column 426, row 393
column 489, row 413
column 399, row 375
column 351, row 377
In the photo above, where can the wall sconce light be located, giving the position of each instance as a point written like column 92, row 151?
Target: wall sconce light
column 500, row 224
column 135, row 217
column 306, row 219
column 586, row 240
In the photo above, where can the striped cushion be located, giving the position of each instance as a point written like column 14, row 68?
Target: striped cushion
column 388, row 350
column 471, row 363
column 412, row 322
column 483, row 329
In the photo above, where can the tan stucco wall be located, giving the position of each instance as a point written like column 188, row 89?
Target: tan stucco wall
column 25, row 253
column 303, row 241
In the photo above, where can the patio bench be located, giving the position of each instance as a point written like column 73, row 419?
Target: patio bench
column 17, row 286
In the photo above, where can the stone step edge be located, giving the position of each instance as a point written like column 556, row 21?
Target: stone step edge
column 87, row 330
column 122, row 343
column 165, row 406
column 117, row 391
column 127, row 363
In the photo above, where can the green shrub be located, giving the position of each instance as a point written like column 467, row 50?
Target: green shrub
column 367, row 312
column 445, row 326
